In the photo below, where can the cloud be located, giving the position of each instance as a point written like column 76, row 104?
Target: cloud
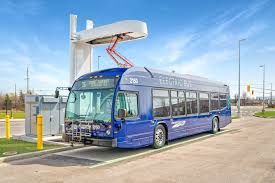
column 209, row 45
column 253, row 29
column 51, row 68
column 228, row 19
column 200, row 64
column 48, row 76
column 220, row 34
column 6, row 67
column 270, row 48
column 22, row 46
column 230, row 37
column 6, row 51
column 172, row 49
column 267, row 49
column 44, row 72
column 47, row 81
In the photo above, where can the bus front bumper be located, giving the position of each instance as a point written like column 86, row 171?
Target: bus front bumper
column 101, row 142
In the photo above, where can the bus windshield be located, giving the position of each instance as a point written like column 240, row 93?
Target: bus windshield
column 91, row 100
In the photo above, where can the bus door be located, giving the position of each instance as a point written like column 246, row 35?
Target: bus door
column 178, row 121
column 136, row 129
column 204, row 118
column 225, row 109
column 192, row 123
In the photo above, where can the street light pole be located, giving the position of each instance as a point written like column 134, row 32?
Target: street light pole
column 15, row 97
column 239, row 84
column 263, row 66
column 271, row 95
column 98, row 61
column 28, row 80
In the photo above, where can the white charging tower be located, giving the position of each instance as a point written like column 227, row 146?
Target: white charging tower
column 83, row 42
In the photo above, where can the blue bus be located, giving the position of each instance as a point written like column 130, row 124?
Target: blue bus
column 137, row 107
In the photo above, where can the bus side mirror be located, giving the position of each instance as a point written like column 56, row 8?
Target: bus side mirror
column 56, row 93
column 69, row 88
column 122, row 114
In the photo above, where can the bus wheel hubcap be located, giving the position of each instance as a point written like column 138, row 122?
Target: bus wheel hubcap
column 159, row 136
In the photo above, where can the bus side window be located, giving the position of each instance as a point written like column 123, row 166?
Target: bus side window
column 204, row 102
column 161, row 103
column 214, row 101
column 128, row 101
column 191, row 103
column 223, row 101
column 178, row 103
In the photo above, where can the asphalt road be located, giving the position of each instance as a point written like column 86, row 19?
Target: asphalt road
column 244, row 153
column 17, row 127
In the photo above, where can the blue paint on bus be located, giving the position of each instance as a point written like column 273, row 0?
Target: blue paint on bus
column 138, row 130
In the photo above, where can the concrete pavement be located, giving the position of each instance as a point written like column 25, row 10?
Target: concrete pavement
column 246, row 154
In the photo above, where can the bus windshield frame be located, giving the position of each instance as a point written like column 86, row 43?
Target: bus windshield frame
column 92, row 100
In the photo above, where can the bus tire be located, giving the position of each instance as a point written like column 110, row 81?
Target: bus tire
column 159, row 137
column 215, row 125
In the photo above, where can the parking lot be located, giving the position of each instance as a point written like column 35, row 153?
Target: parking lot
column 243, row 152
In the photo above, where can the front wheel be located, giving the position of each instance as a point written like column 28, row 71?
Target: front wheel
column 215, row 125
column 159, row 136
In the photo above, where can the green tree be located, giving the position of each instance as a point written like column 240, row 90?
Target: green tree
column 7, row 102
column 1, row 101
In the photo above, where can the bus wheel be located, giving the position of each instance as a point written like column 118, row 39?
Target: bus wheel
column 215, row 125
column 159, row 136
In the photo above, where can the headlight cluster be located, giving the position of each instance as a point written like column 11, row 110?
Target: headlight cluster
column 108, row 132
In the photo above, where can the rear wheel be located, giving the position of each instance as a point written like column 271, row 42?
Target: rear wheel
column 159, row 136
column 215, row 125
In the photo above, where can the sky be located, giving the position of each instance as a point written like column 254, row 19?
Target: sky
column 189, row 37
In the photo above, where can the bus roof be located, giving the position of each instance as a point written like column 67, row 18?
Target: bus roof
column 161, row 79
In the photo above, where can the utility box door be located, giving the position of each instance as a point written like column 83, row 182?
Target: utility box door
column 48, row 118
column 55, row 123
column 62, row 117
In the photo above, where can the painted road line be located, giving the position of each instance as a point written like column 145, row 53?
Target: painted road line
column 153, row 151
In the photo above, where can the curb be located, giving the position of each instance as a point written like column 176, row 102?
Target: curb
column 35, row 154
column 264, row 117
column 34, row 140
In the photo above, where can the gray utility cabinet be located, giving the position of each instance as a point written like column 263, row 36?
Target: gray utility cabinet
column 52, row 109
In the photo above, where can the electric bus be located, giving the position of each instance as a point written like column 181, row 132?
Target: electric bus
column 136, row 107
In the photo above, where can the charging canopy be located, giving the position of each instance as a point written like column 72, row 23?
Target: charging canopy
column 83, row 42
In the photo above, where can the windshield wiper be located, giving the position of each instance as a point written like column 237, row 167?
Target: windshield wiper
column 85, row 117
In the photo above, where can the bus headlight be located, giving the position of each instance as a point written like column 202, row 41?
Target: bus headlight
column 108, row 132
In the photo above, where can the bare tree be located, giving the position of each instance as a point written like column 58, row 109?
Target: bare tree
column 244, row 98
column 236, row 98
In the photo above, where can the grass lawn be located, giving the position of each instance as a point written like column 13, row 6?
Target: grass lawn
column 266, row 114
column 20, row 146
column 235, row 117
column 15, row 114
